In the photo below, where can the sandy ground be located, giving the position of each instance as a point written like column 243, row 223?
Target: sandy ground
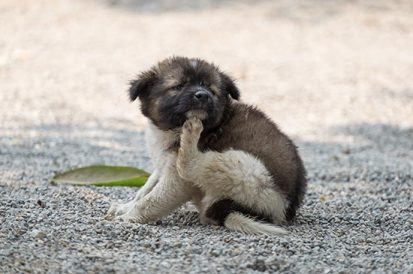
column 336, row 76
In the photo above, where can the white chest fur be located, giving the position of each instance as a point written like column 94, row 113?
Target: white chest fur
column 158, row 143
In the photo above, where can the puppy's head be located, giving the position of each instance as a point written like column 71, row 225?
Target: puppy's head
column 178, row 88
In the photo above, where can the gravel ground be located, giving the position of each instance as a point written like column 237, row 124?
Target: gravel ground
column 335, row 76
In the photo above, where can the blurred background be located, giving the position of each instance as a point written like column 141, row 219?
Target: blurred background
column 335, row 75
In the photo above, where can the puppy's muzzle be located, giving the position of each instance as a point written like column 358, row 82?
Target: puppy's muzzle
column 201, row 102
column 202, row 97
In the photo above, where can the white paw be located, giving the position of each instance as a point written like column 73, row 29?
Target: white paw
column 128, row 218
column 192, row 127
column 117, row 210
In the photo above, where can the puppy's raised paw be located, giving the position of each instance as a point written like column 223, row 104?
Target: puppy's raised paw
column 193, row 126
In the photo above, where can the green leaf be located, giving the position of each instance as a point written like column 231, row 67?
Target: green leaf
column 101, row 175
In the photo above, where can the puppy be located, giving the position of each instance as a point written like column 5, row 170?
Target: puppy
column 227, row 157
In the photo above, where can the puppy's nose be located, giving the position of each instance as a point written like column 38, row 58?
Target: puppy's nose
column 201, row 96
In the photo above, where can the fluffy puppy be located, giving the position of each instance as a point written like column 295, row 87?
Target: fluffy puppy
column 227, row 157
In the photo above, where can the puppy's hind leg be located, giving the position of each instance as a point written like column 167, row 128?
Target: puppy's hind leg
column 189, row 154
column 232, row 174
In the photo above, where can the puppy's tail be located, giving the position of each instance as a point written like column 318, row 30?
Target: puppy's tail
column 241, row 223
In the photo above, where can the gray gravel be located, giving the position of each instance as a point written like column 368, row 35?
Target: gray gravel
column 335, row 77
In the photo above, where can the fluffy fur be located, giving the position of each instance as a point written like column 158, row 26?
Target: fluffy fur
column 226, row 157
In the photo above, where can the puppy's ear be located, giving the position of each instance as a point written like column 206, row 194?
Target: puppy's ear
column 229, row 86
column 141, row 85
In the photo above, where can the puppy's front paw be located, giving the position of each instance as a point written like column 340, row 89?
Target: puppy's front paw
column 116, row 210
column 127, row 218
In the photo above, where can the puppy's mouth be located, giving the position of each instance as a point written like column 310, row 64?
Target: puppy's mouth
column 201, row 103
column 194, row 103
column 199, row 113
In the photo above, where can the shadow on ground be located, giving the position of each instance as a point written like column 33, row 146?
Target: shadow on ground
column 381, row 136
column 33, row 153
column 372, row 152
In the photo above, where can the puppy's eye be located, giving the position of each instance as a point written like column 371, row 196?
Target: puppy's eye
column 179, row 87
